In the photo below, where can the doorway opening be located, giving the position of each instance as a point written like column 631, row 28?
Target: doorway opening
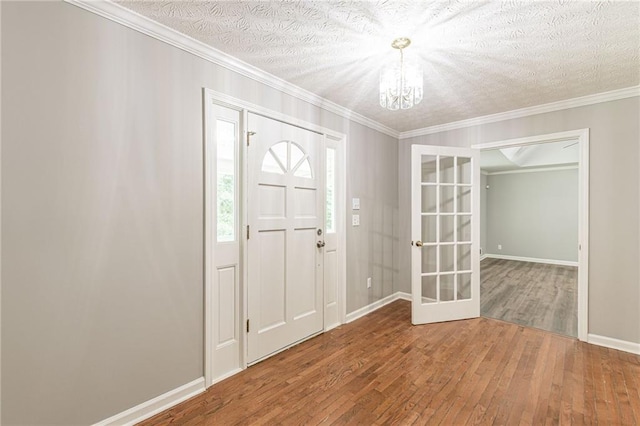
column 290, row 191
column 534, row 231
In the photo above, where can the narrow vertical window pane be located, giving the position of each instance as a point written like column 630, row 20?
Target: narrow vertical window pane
column 226, row 180
column 331, row 190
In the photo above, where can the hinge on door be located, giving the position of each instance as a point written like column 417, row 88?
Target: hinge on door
column 249, row 134
column 247, row 326
column 247, row 232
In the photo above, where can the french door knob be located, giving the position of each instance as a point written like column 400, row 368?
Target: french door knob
column 419, row 243
column 320, row 244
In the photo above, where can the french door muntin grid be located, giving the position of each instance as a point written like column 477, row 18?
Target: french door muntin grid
column 458, row 184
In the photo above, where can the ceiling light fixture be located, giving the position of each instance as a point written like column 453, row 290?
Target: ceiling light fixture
column 401, row 84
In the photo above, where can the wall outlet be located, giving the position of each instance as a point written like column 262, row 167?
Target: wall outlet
column 355, row 220
column 355, row 204
column 369, row 282
column 499, row 246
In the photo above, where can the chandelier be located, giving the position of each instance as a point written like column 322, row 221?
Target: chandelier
column 401, row 83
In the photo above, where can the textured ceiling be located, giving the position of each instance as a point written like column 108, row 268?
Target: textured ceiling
column 479, row 58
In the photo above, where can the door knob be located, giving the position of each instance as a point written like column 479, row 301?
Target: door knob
column 419, row 243
column 320, row 244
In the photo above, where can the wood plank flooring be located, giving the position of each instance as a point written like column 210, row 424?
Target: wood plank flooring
column 532, row 294
column 382, row 370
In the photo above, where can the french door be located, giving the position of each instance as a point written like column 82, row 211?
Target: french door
column 285, row 235
column 445, row 210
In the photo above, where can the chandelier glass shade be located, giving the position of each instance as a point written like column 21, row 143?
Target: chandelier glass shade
column 401, row 83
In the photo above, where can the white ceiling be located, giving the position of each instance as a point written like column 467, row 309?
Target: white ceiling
column 479, row 58
column 554, row 154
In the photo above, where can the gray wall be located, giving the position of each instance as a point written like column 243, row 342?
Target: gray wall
column 373, row 178
column 533, row 214
column 614, row 232
column 102, row 212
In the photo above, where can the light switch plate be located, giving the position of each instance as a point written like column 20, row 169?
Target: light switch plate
column 355, row 204
column 355, row 220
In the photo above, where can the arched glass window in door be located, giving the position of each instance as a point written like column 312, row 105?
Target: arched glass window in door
column 287, row 157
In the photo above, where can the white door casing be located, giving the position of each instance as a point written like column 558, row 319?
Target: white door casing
column 582, row 136
column 217, row 308
column 445, row 209
column 285, row 212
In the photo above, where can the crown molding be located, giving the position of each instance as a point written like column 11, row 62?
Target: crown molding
column 613, row 95
column 137, row 22
column 531, row 170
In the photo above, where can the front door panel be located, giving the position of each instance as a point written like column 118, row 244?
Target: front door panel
column 285, row 205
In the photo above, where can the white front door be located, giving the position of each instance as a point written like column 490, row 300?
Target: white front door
column 285, row 215
column 445, row 210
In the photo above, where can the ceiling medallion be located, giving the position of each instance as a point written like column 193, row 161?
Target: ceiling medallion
column 400, row 83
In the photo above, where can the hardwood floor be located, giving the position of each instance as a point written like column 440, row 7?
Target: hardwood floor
column 532, row 294
column 382, row 370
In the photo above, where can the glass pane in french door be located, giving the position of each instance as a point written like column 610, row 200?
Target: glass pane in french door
column 446, row 207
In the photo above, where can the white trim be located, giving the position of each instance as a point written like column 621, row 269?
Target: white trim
column 209, row 349
column 610, row 342
column 583, row 236
column 0, row 217
column 582, row 135
column 532, row 170
column 531, row 259
column 227, row 375
column 244, row 252
column 534, row 140
column 483, row 257
column 404, row 296
column 613, row 95
column 365, row 310
column 137, row 22
column 156, row 405
column 239, row 104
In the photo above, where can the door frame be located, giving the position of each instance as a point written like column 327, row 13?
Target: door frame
column 582, row 136
column 211, row 97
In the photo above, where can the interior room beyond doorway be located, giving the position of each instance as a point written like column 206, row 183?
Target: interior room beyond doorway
column 530, row 235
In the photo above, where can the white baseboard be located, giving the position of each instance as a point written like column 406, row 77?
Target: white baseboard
column 404, row 296
column 610, row 342
column 483, row 257
column 332, row 326
column 376, row 305
column 227, row 375
column 156, row 405
column 531, row 259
